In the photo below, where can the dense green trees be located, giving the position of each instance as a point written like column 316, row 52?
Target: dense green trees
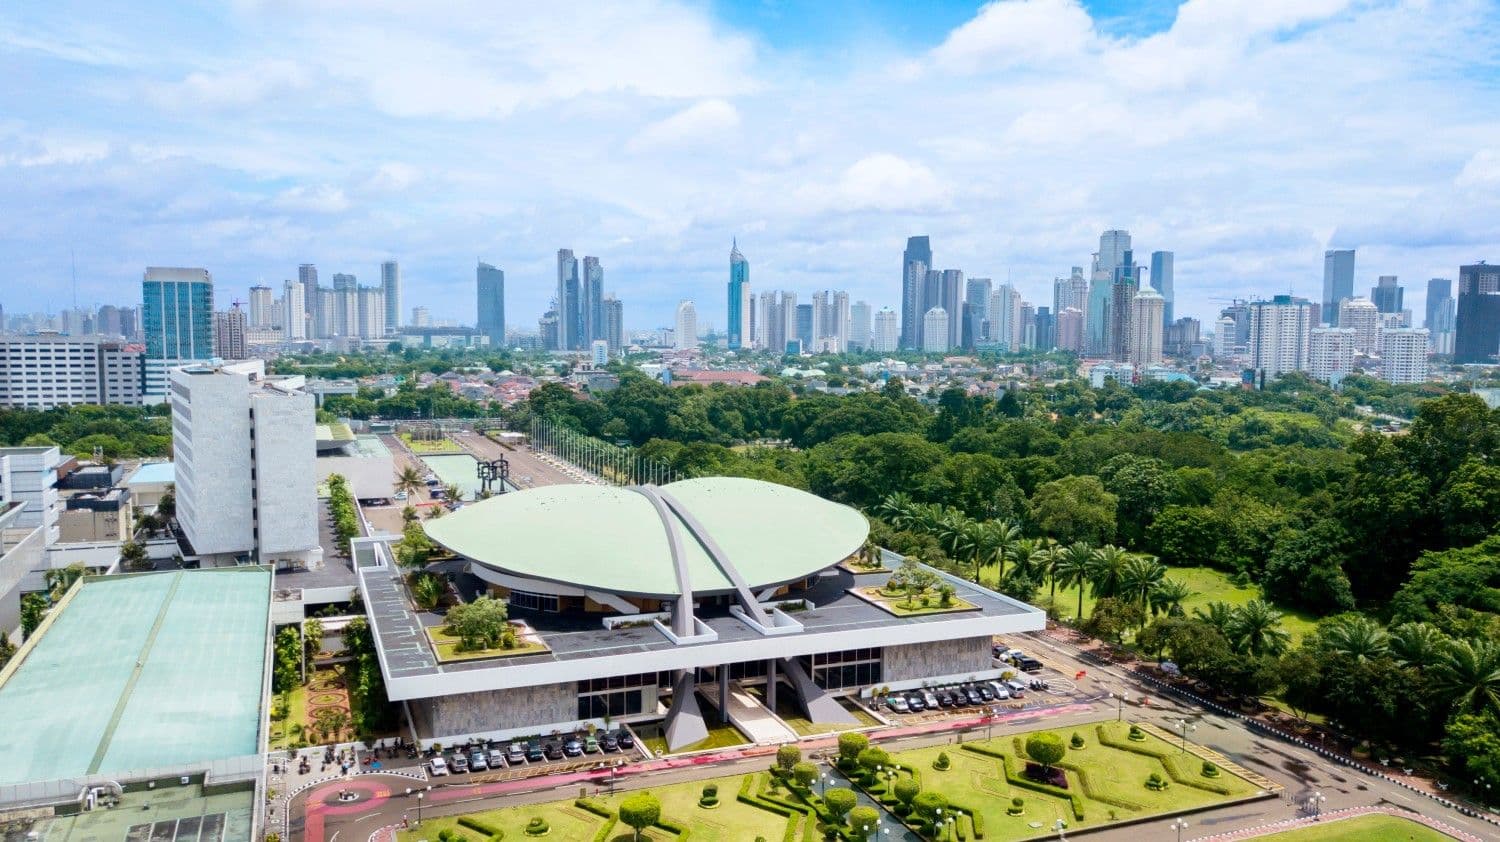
column 122, row 432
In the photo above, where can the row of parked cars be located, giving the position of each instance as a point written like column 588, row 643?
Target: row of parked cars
column 523, row 752
column 1016, row 658
column 957, row 696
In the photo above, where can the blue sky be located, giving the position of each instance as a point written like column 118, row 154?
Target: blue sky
column 253, row 135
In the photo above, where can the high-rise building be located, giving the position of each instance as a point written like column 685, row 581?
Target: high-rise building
column 829, row 331
column 490, row 302
column 1387, row 295
column 802, row 327
column 370, row 313
column 1113, row 254
column 952, row 302
column 293, row 311
column 326, row 313
column 261, row 310
column 686, row 335
column 229, row 334
column 1027, row 326
column 342, row 281
column 935, row 331
column 390, row 287
column 1361, row 315
column 1280, row 332
column 243, row 445
column 614, row 324
column 48, row 370
column 1442, row 329
column 593, row 300
column 1161, row 281
column 915, row 262
column 1330, row 355
column 1046, row 329
column 1121, row 312
column 177, row 321
column 859, row 325
column 130, row 323
column 768, row 316
column 599, row 352
column 1224, row 336
column 569, row 302
column 1438, row 289
column 1338, row 282
column 1097, row 316
column 1179, row 337
column 1146, row 328
column 1403, row 355
column 422, row 317
column 977, row 305
column 307, row 278
column 885, row 336
column 739, row 299
column 1070, row 330
column 1476, row 322
column 1004, row 316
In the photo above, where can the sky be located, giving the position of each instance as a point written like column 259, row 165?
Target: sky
column 249, row 136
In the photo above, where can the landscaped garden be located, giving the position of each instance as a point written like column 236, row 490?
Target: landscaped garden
column 914, row 589
column 1368, row 828
column 423, row 441
column 480, row 629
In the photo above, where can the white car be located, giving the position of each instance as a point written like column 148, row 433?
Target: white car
column 438, row 766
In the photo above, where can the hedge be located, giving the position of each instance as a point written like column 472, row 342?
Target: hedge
column 1075, row 800
column 484, row 828
column 608, row 828
column 1083, row 780
column 1167, row 759
column 670, row 826
column 594, row 807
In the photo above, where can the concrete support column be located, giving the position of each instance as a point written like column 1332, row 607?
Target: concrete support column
column 723, row 671
column 771, row 685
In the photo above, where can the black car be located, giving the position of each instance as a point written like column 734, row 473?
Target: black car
column 534, row 753
column 985, row 693
column 944, row 699
column 973, row 696
column 626, row 741
column 1028, row 663
column 916, row 702
column 960, row 699
column 554, row 751
column 609, row 743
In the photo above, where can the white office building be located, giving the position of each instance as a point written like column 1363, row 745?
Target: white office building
column 859, row 325
column 28, row 475
column 686, row 333
column 1403, row 355
column 1361, row 315
column 885, row 336
column 51, row 370
column 293, row 311
column 1330, row 353
column 245, row 448
column 935, row 331
column 1280, row 331
column 1145, row 327
column 599, row 349
column 262, row 310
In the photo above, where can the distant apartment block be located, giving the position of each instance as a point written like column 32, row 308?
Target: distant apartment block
column 49, row 370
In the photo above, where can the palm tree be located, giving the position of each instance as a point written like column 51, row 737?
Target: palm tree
column 897, row 508
column 409, row 481
column 1470, row 672
column 435, row 512
column 1072, row 568
column 1140, row 577
column 1256, row 629
column 955, row 535
column 1220, row 615
column 1419, row 645
column 1169, row 596
column 1359, row 638
column 1028, row 559
column 1001, row 538
column 453, row 494
column 1107, row 569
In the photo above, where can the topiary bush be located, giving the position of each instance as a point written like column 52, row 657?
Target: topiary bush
column 788, row 756
column 1017, row 806
column 1210, row 770
column 942, row 762
column 1076, row 741
column 1156, row 782
column 537, row 826
column 1137, row 734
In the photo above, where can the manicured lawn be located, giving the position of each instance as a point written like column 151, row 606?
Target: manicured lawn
column 296, row 713
column 729, row 821
column 446, row 646
column 1114, row 791
column 1208, row 585
column 1373, row 828
column 442, row 445
column 720, row 735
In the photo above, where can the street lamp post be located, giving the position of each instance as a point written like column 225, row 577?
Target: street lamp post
column 1180, row 825
column 1315, row 804
column 1184, row 726
column 419, row 807
column 1060, row 826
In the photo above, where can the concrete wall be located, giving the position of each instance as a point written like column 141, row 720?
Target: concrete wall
column 496, row 710
column 211, row 448
column 21, row 553
column 285, row 474
column 939, row 657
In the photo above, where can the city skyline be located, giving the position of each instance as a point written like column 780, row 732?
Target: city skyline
column 1080, row 110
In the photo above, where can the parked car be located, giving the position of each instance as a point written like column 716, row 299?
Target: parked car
column 626, row 740
column 945, row 699
column 915, row 702
column 573, row 747
column 985, row 693
column 1028, row 664
column 590, row 744
column 516, row 753
column 478, row 761
column 999, row 689
column 554, row 751
column 897, row 703
column 438, row 767
column 931, row 699
column 497, row 759
column 534, row 753
column 609, row 743
column 973, row 696
column 1017, row 689
column 459, row 763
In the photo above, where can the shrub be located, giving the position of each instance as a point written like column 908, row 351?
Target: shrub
column 1136, row 733
column 640, row 811
column 907, row 789
column 851, row 744
column 1076, row 741
column 1210, row 770
column 594, row 807
column 1017, row 806
column 872, row 758
column 805, row 773
column 537, row 826
column 839, row 802
column 1156, row 782
column 862, row 817
column 483, row 828
column 788, row 756
column 927, row 803
column 942, row 763
column 1045, row 748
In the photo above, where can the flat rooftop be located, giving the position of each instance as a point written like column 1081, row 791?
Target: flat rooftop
column 580, row 636
column 152, row 473
column 139, row 672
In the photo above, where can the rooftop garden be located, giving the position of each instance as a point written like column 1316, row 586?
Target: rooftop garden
column 914, row 589
column 482, row 629
column 429, row 441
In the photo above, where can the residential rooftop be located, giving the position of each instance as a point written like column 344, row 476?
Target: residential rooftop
column 152, row 473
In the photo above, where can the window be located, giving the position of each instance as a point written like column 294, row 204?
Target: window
column 534, row 601
column 617, row 695
column 841, row 670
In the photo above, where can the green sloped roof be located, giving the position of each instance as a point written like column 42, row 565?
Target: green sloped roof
column 612, row 539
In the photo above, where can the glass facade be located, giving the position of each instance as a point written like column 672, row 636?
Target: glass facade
column 843, row 670
column 534, row 601
column 739, row 281
column 177, row 314
column 618, row 695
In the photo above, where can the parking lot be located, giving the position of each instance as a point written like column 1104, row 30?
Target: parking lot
column 1027, row 682
column 510, row 759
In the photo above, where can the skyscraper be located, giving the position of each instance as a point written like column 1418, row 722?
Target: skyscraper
column 1114, row 246
column 1387, row 295
column 1046, row 329
column 952, row 302
column 859, row 326
column 1121, row 311
column 1477, row 315
column 569, row 302
column 1097, row 316
column 177, row 320
column 229, row 334
column 1161, row 281
column 369, row 313
column 261, row 316
column 1403, row 355
column 767, row 316
column 1330, row 353
column 739, row 298
column 1437, row 290
column 614, row 324
column 293, row 311
column 1070, row 329
column 802, row 330
column 1072, row 291
column 490, row 303
column 977, row 304
column 686, row 335
column 1280, row 333
column 1361, row 315
column 390, row 287
column 918, row 251
column 1146, row 328
column 1338, row 281
column 307, row 278
column 593, row 300
column 885, row 335
column 830, row 322
column 1004, row 310
column 935, row 331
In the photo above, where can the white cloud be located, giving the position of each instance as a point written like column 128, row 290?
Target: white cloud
column 702, row 122
column 1010, row 32
column 239, row 87
column 1482, row 169
column 318, row 199
column 881, row 181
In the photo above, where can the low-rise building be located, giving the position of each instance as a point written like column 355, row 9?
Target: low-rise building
column 96, row 516
column 51, row 370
